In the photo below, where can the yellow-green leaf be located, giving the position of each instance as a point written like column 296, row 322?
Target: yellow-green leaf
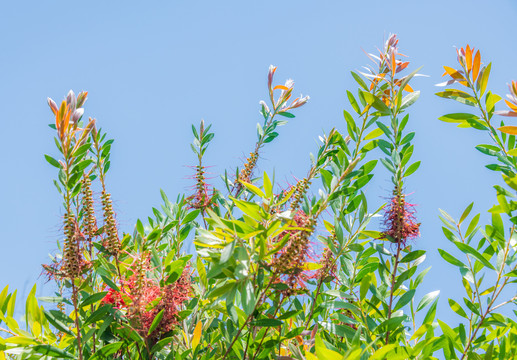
column 511, row 182
column 373, row 134
column 312, row 266
column 197, row 335
column 323, row 353
column 381, row 353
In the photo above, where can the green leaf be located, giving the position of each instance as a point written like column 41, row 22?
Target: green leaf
column 447, row 331
column 81, row 150
column 377, row 103
column 458, row 117
column 407, row 78
column 472, row 225
column 267, row 322
column 174, row 270
column 59, row 324
column 227, row 252
column 457, row 308
column 47, row 299
column 470, row 250
column 458, row 95
column 190, row 216
column 156, row 321
column 106, row 351
column 381, row 353
column 359, row 80
column 483, row 79
column 286, row 114
column 412, row 168
column 466, row 213
column 49, row 350
column 323, row 353
column 350, row 122
column 450, row 259
column 410, row 99
column 268, row 186
column 53, row 161
column 222, row 289
column 374, row 134
column 412, row 256
column 431, row 313
column 110, row 283
column 92, row 299
column 405, row 299
column 427, row 299
column 98, row 314
column 253, row 189
column 353, row 102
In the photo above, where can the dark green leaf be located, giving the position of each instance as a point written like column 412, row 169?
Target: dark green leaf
column 286, row 114
column 267, row 322
column 92, row 299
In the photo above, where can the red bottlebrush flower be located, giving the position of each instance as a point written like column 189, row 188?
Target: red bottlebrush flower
column 139, row 291
column 114, row 298
column 289, row 262
column 399, row 221
column 202, row 197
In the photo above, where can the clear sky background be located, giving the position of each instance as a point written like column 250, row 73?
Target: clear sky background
column 153, row 68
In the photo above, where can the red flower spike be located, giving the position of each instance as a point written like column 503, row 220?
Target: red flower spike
column 400, row 222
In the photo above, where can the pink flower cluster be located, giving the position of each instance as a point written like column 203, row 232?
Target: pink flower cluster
column 138, row 294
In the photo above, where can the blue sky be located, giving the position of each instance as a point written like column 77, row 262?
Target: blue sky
column 153, row 68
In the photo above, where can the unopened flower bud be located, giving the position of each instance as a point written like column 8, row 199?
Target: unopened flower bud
column 81, row 98
column 270, row 74
column 70, row 99
column 299, row 102
column 94, row 128
column 78, row 113
column 53, row 105
column 265, row 108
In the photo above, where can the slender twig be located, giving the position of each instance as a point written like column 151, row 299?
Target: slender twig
column 7, row 331
column 264, row 336
column 76, row 319
column 392, row 290
column 261, row 298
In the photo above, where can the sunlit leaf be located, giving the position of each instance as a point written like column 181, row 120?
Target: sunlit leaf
column 196, row 337
column 512, row 130
column 427, row 299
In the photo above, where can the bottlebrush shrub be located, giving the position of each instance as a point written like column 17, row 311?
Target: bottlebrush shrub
column 278, row 273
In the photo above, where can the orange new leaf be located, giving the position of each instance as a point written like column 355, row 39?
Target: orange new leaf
column 511, row 105
column 281, row 87
column 476, row 66
column 408, row 88
column 455, row 74
column 512, row 130
column 468, row 57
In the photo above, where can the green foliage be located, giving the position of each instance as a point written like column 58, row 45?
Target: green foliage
column 256, row 289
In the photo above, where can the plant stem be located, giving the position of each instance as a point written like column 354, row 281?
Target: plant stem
column 76, row 319
column 261, row 298
column 393, row 277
